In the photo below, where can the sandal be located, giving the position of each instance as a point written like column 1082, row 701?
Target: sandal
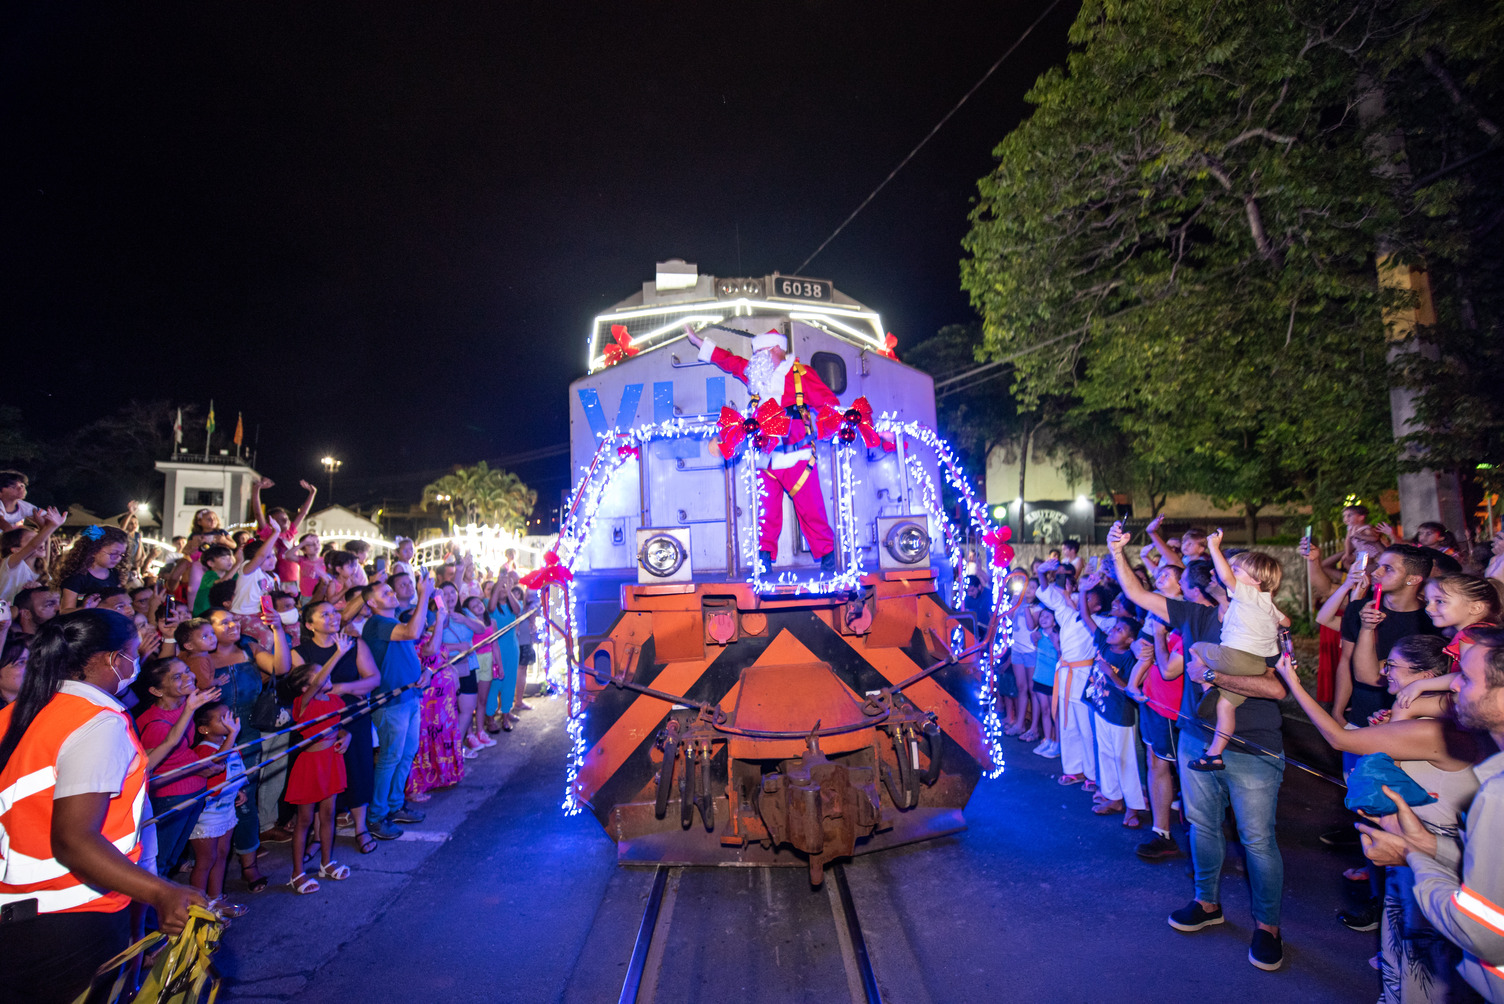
column 1030, row 736
column 1207, row 763
column 1089, row 786
column 334, row 870
column 365, row 841
column 1072, row 778
column 254, row 885
column 303, row 884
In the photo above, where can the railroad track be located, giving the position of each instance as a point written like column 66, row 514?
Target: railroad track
column 651, row 947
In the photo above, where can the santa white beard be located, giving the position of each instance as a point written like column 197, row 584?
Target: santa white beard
column 762, row 370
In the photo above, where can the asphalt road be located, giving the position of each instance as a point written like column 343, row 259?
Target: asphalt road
column 498, row 896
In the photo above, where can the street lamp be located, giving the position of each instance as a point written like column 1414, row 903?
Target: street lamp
column 331, row 465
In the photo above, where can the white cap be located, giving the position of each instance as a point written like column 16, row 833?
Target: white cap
column 772, row 340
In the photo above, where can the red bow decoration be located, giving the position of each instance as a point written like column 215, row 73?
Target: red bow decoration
column 628, row 451
column 891, row 344
column 858, row 420
column 552, row 572
column 1002, row 552
column 768, row 423
column 827, row 422
column 622, row 348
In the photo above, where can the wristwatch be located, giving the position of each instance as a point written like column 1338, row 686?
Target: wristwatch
column 1211, row 677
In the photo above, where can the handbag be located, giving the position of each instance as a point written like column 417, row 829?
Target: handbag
column 268, row 714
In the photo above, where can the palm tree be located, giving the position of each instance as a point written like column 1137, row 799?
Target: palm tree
column 483, row 495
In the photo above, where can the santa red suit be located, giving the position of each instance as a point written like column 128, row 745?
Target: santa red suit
column 791, row 466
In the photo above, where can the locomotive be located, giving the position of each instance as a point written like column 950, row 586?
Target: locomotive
column 728, row 713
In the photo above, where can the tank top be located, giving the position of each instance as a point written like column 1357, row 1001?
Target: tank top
column 1046, row 660
column 1454, row 791
column 344, row 671
column 457, row 638
column 201, row 598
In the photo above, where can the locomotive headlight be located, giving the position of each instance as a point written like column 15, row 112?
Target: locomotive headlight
column 661, row 555
column 908, row 542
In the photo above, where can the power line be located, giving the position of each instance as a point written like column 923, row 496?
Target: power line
column 930, row 135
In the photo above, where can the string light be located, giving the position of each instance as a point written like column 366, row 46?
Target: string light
column 617, row 447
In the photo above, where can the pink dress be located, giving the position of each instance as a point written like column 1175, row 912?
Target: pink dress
column 439, row 763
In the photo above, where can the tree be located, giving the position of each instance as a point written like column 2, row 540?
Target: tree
column 483, row 495
column 107, row 462
column 1180, row 239
column 16, row 447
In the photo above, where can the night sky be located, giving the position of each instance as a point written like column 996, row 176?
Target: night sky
column 381, row 230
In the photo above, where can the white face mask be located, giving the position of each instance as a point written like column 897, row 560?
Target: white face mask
column 124, row 685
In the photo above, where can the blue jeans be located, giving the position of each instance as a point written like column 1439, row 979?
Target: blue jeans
column 1251, row 785
column 397, row 731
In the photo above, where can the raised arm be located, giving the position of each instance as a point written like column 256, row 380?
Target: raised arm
column 49, row 520
column 277, row 662
column 1117, row 541
column 1214, row 547
column 262, row 520
column 365, row 665
column 1166, row 553
column 1365, row 660
column 413, row 629
column 303, row 510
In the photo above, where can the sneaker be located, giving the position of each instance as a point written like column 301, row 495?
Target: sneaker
column 765, row 562
column 383, row 830
column 1157, row 848
column 276, row 835
column 1364, row 918
column 1043, row 748
column 467, row 753
column 828, row 563
column 1054, row 749
column 473, row 741
column 485, row 740
column 1266, row 951
column 406, row 815
column 1192, row 917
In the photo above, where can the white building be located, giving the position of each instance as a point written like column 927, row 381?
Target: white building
column 221, row 483
column 338, row 523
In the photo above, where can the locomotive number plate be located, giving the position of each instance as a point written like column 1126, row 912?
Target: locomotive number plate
column 793, row 287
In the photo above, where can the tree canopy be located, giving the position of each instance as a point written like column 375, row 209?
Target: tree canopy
column 481, row 494
column 1179, row 244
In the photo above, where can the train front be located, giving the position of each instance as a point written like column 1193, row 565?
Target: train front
column 727, row 711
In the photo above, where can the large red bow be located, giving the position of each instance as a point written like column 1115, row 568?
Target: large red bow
column 768, row 423
column 890, row 346
column 1002, row 552
column 857, row 420
column 621, row 348
column 551, row 572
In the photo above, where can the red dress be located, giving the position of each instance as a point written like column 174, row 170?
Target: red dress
column 317, row 773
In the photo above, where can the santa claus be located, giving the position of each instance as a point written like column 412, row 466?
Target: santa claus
column 774, row 375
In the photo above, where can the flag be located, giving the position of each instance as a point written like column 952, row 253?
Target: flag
column 209, row 425
column 239, row 430
column 177, row 429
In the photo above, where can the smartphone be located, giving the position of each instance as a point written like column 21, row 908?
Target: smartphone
column 1094, row 564
column 268, row 607
column 1286, row 645
column 1308, row 531
column 1362, row 564
column 380, row 565
column 169, row 605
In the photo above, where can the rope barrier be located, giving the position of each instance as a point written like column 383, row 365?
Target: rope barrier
column 348, row 713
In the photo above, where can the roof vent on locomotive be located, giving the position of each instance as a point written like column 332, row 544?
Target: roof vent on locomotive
column 727, row 713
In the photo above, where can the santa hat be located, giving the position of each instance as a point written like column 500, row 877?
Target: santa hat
column 772, row 340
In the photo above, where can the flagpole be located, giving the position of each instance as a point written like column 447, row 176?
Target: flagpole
column 209, row 430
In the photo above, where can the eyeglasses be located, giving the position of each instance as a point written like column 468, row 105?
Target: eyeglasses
column 1389, row 664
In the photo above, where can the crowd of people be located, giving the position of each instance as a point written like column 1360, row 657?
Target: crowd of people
column 1158, row 686
column 258, row 687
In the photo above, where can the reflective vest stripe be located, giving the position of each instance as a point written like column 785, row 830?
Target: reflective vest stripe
column 28, row 869
column 1478, row 908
